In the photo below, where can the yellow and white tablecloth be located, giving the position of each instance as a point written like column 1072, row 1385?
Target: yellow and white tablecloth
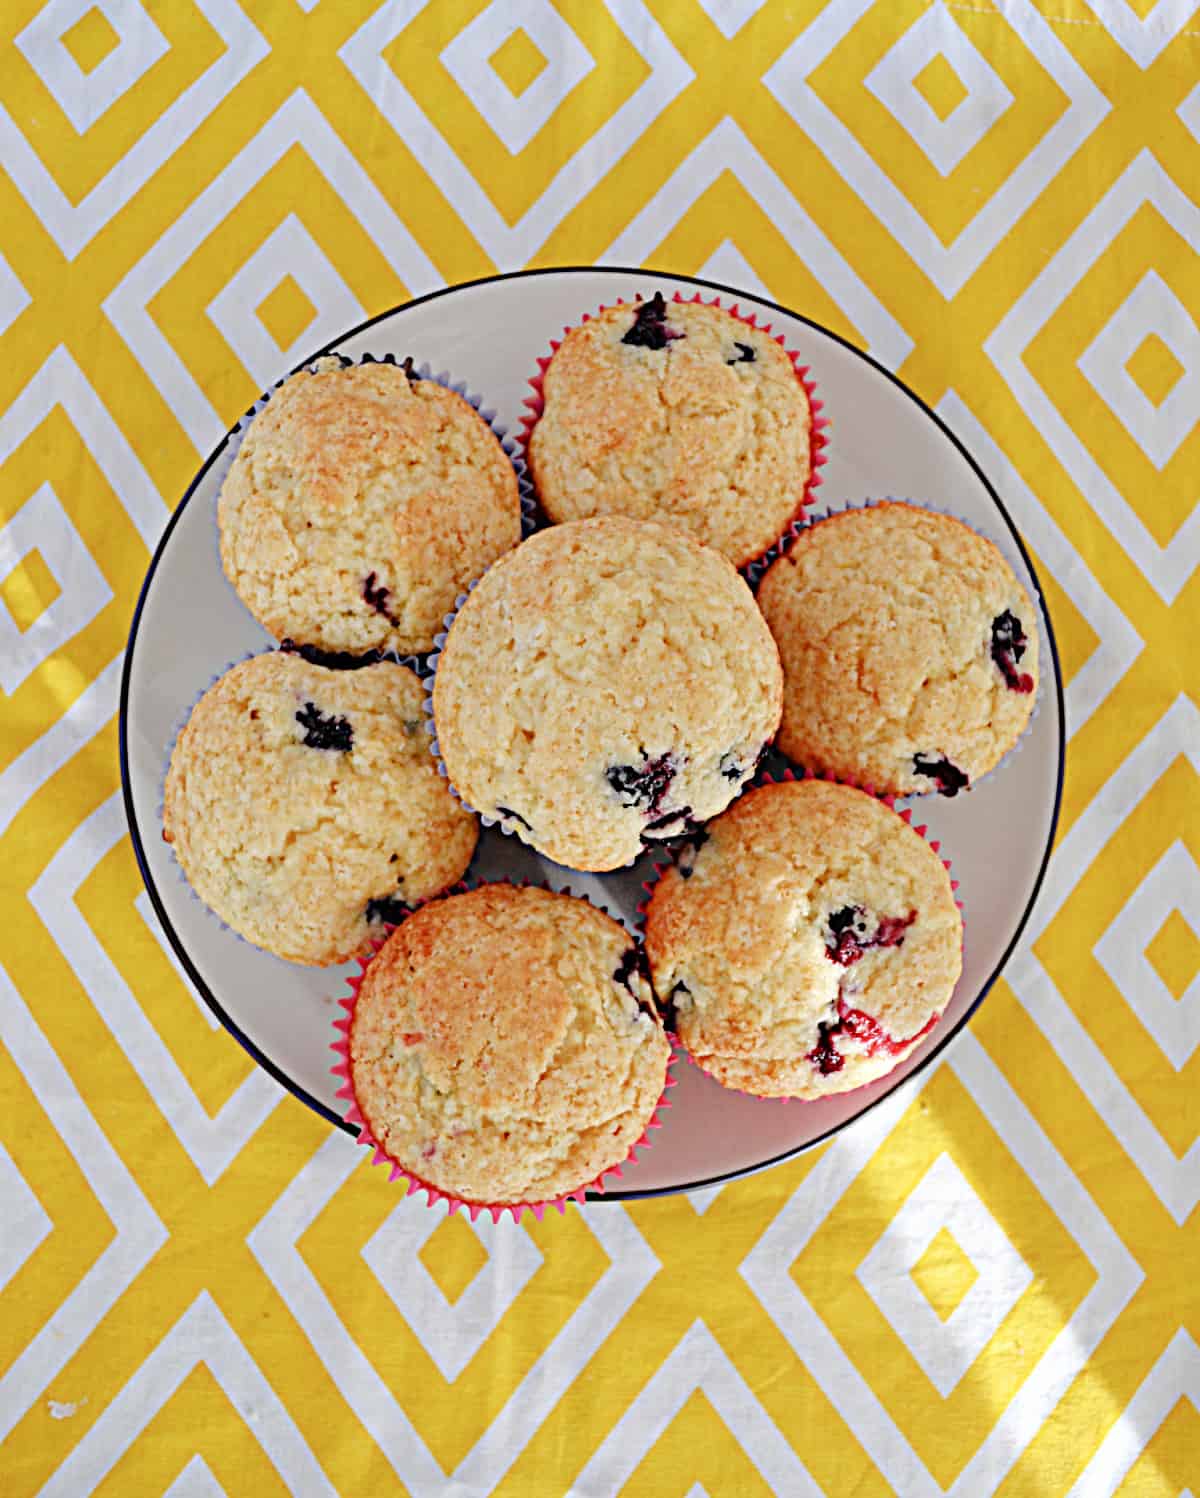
column 990, row 1285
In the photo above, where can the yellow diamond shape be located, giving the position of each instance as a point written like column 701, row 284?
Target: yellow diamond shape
column 940, row 86
column 286, row 312
column 1174, row 954
column 29, row 590
column 1154, row 369
column 517, row 61
column 943, row 1274
column 453, row 1256
column 90, row 40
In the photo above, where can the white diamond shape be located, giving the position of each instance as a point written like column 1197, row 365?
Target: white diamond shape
column 516, row 120
column 630, row 1268
column 1118, row 1275
column 987, row 97
column 949, row 266
column 1151, row 307
column 945, row 1349
column 1172, row 884
column 73, row 225
column 25, row 1220
column 450, row 1334
column 288, row 250
column 42, row 522
column 84, row 97
column 513, row 244
column 1167, row 568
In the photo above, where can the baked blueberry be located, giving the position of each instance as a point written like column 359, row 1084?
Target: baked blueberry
column 645, row 784
column 377, row 598
column 851, row 932
column 948, row 778
column 670, row 824
column 387, row 908
column 325, row 732
column 650, row 328
column 745, row 354
column 1009, row 643
column 332, row 660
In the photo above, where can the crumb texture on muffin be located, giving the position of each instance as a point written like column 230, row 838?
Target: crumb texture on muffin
column 909, row 649
column 360, row 504
column 607, row 685
column 503, row 1048
column 679, row 412
column 305, row 807
column 809, row 943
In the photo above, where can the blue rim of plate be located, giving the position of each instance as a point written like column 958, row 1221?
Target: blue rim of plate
column 627, row 1193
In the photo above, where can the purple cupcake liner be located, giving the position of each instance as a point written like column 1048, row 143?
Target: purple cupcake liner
column 758, row 571
column 424, row 371
column 428, row 673
column 412, row 662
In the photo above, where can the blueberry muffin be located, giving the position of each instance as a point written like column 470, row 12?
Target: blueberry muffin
column 679, row 412
column 808, row 944
column 360, row 504
column 607, row 685
column 909, row 648
column 504, row 1047
column 305, row 807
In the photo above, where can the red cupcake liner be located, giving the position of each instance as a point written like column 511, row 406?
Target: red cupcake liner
column 535, row 404
column 415, row 1184
column 695, row 842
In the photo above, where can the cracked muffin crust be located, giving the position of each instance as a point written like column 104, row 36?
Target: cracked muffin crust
column 305, row 806
column 609, row 684
column 678, row 412
column 808, row 945
column 909, row 649
column 504, row 1048
column 360, row 504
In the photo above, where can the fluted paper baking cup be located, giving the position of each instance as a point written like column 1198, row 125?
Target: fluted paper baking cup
column 314, row 657
column 760, row 571
column 415, row 1184
column 424, row 371
column 691, row 847
column 535, row 404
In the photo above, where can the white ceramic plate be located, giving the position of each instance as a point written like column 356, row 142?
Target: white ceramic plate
column 189, row 626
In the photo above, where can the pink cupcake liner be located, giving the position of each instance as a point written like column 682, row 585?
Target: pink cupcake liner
column 415, row 1184
column 696, row 841
column 758, row 570
column 535, row 404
